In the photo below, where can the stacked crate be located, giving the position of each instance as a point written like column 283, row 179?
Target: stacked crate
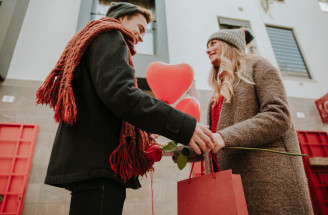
column 17, row 143
column 315, row 145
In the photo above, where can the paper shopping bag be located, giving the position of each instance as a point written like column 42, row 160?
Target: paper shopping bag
column 208, row 195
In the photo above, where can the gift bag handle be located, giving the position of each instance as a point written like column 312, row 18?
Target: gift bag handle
column 213, row 156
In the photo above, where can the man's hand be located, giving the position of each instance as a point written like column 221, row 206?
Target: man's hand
column 202, row 138
column 218, row 142
column 153, row 136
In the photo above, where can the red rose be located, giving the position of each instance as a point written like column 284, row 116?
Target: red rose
column 153, row 153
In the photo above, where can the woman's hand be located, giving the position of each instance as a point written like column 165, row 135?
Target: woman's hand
column 202, row 139
column 218, row 143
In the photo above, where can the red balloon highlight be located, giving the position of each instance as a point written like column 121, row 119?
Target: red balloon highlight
column 169, row 82
column 191, row 106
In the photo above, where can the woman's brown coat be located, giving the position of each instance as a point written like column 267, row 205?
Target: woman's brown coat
column 258, row 116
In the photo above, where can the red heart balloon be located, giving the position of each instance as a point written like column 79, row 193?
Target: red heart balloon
column 191, row 106
column 169, row 82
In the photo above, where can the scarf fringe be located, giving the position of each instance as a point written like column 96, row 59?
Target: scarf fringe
column 45, row 94
column 69, row 111
column 120, row 161
column 128, row 159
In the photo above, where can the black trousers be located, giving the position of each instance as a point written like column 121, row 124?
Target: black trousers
column 97, row 196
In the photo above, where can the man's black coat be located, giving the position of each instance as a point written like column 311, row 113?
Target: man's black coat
column 105, row 95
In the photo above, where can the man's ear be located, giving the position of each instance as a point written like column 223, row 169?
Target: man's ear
column 122, row 18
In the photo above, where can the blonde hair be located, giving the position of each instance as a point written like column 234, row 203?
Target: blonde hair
column 232, row 64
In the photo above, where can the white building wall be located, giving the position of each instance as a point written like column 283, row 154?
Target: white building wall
column 190, row 23
column 47, row 27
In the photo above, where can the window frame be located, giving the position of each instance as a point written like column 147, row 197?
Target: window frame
column 286, row 73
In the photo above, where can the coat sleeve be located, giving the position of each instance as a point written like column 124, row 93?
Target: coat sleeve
column 273, row 119
column 113, row 79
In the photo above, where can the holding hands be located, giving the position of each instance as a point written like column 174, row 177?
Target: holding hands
column 218, row 142
column 204, row 140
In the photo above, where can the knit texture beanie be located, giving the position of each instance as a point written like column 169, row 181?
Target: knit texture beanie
column 119, row 9
column 234, row 37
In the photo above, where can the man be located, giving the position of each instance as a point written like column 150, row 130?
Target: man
column 101, row 113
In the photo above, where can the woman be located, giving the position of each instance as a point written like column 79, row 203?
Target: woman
column 254, row 113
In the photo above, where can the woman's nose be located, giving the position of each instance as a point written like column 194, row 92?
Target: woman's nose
column 208, row 51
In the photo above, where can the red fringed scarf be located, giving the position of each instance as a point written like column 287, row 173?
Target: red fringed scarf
column 128, row 160
column 215, row 110
column 215, row 114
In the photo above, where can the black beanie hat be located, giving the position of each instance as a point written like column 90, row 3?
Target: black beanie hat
column 119, row 9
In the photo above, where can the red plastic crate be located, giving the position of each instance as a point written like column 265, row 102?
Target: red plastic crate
column 17, row 143
column 315, row 144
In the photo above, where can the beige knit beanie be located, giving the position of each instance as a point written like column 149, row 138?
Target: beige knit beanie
column 234, row 37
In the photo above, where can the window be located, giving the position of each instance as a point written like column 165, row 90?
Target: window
column 155, row 45
column 287, row 52
column 225, row 23
column 99, row 10
column 323, row 5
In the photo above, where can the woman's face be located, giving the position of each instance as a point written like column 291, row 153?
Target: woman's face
column 214, row 52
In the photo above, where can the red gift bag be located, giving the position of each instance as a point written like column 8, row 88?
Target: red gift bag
column 217, row 193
